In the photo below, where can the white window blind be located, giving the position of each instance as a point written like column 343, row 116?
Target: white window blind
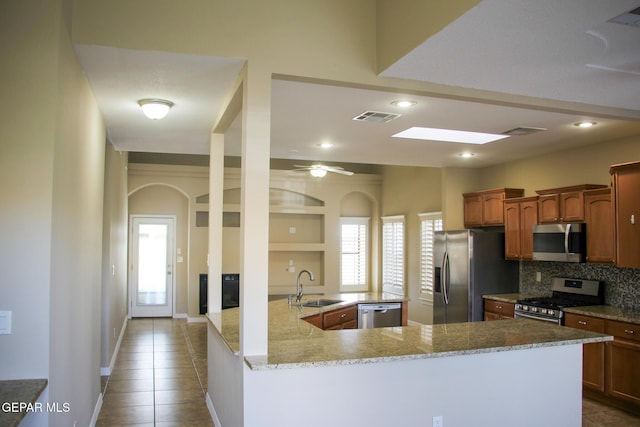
column 354, row 253
column 429, row 224
column 393, row 254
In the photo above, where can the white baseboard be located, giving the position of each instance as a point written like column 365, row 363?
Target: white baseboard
column 413, row 323
column 212, row 411
column 105, row 371
column 180, row 316
column 96, row 411
column 199, row 319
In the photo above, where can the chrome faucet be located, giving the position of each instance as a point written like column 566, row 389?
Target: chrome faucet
column 299, row 292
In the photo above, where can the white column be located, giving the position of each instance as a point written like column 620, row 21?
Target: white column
column 216, row 191
column 254, row 249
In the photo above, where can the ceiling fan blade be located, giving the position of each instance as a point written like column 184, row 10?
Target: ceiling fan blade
column 340, row 171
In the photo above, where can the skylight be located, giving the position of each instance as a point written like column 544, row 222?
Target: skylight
column 447, row 135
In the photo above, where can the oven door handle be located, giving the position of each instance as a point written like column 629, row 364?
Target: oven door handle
column 528, row 316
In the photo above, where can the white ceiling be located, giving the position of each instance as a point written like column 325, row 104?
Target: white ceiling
column 564, row 51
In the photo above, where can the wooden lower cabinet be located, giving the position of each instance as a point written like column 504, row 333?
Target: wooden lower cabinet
column 623, row 361
column 611, row 370
column 498, row 310
column 593, row 367
column 342, row 318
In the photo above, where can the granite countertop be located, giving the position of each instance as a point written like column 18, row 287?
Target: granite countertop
column 294, row 343
column 17, row 397
column 602, row 311
column 512, row 298
column 607, row 312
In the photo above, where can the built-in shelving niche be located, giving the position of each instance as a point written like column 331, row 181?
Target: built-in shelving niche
column 296, row 236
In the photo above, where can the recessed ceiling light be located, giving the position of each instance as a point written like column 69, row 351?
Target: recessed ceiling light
column 466, row 155
column 325, row 145
column 585, row 125
column 447, row 135
column 404, row 103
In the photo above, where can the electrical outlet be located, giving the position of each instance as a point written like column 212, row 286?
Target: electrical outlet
column 114, row 332
column 437, row 421
column 538, row 276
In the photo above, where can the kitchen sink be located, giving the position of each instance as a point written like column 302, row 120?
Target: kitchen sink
column 321, row 302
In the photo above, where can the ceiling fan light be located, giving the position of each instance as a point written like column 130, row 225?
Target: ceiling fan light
column 155, row 109
column 318, row 173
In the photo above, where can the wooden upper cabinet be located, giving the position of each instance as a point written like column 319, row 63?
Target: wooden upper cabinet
column 564, row 204
column 598, row 213
column 625, row 179
column 486, row 208
column 472, row 210
column 520, row 215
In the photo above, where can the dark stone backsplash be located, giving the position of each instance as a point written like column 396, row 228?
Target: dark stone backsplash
column 621, row 285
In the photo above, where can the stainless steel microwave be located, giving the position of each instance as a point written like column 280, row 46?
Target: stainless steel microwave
column 559, row 242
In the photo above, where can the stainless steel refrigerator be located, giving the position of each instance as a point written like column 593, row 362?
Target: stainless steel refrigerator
column 469, row 264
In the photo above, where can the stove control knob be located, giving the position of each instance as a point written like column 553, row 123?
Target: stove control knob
column 543, row 311
column 534, row 309
column 551, row 312
column 525, row 308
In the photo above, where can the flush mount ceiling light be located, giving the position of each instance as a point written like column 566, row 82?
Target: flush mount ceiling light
column 404, row 103
column 155, row 109
column 585, row 125
column 325, row 145
column 447, row 135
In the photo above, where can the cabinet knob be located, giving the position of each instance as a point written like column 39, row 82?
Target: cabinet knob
column 343, row 315
column 499, row 307
column 582, row 322
column 629, row 331
column 633, row 219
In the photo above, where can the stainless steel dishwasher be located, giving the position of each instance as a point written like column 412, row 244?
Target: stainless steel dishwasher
column 379, row 315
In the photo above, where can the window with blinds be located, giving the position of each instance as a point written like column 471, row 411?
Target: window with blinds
column 354, row 254
column 429, row 224
column 393, row 254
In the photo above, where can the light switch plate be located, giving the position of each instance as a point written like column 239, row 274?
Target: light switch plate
column 5, row 322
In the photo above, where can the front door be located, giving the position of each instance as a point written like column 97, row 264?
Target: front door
column 151, row 276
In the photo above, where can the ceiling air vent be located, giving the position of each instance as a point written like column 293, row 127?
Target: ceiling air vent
column 376, row 117
column 521, row 131
column 630, row 18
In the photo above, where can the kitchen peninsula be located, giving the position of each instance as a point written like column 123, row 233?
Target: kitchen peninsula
column 398, row 376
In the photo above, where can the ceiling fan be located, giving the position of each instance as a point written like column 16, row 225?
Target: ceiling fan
column 319, row 170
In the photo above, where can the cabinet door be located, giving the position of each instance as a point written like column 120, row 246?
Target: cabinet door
column 336, row 318
column 627, row 206
column 593, row 367
column 599, row 218
column 623, row 361
column 473, row 211
column 623, row 379
column 572, row 206
column 528, row 218
column 549, row 208
column 504, row 310
column 492, row 209
column 512, row 235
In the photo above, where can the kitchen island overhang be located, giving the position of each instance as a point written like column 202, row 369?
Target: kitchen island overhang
column 407, row 374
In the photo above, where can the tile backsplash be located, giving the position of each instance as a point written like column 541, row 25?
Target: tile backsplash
column 621, row 285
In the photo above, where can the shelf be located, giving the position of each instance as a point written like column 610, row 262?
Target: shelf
column 297, row 247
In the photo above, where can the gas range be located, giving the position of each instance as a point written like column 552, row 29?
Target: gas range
column 566, row 293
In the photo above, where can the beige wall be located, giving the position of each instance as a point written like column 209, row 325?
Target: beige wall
column 410, row 191
column 164, row 189
column 114, row 253
column 52, row 167
column 585, row 165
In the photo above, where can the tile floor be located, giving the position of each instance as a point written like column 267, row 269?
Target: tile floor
column 160, row 379
column 155, row 381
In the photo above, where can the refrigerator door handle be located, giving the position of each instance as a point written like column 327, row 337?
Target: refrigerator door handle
column 445, row 282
